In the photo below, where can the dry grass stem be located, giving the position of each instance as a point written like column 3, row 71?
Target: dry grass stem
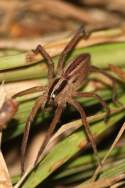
column 54, row 48
column 120, row 133
column 102, row 183
column 5, row 181
column 64, row 11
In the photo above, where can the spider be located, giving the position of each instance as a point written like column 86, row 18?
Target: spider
column 62, row 89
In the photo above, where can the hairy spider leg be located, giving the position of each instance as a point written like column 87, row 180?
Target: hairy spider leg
column 50, row 131
column 40, row 49
column 102, row 102
column 81, row 110
column 30, row 90
column 40, row 102
column 118, row 71
column 113, row 80
column 80, row 33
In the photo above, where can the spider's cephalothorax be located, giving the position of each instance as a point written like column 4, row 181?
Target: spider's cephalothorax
column 63, row 88
column 70, row 79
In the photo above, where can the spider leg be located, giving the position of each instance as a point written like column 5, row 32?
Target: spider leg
column 86, row 127
column 50, row 131
column 81, row 32
column 114, row 94
column 30, row 90
column 103, row 103
column 40, row 102
column 118, row 71
column 40, row 49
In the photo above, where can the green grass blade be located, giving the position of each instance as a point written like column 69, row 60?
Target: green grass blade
column 102, row 55
column 60, row 154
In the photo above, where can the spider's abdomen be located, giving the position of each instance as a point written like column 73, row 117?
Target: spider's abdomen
column 81, row 62
column 78, row 66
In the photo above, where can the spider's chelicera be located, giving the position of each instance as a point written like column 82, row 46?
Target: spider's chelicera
column 63, row 88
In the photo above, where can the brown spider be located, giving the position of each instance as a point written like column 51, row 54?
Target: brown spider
column 63, row 87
